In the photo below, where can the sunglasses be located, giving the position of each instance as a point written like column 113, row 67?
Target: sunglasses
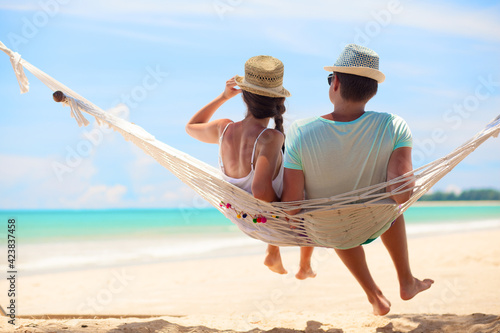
column 330, row 78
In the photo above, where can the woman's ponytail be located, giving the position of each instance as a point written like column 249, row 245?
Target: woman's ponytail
column 278, row 118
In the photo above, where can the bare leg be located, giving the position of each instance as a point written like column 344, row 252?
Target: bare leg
column 355, row 261
column 395, row 241
column 305, row 270
column 273, row 259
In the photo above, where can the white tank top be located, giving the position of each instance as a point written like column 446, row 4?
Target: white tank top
column 245, row 183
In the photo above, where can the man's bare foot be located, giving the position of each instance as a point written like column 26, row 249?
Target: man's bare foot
column 409, row 291
column 273, row 261
column 381, row 305
column 303, row 274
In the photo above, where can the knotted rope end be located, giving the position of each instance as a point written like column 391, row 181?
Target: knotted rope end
column 60, row 97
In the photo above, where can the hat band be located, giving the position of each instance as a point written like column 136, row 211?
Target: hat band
column 278, row 90
column 371, row 73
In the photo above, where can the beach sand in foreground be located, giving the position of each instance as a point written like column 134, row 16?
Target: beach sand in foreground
column 239, row 293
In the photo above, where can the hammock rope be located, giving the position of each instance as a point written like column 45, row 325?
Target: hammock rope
column 341, row 221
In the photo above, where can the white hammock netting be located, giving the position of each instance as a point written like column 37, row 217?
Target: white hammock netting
column 342, row 221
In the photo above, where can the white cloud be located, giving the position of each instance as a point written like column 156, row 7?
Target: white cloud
column 185, row 195
column 98, row 196
column 454, row 19
column 120, row 110
column 28, row 182
column 99, row 135
column 167, row 193
column 404, row 69
column 441, row 93
column 469, row 21
column 452, row 188
column 461, row 20
column 143, row 167
column 32, row 182
column 132, row 33
column 18, row 6
column 295, row 40
column 16, row 169
column 113, row 10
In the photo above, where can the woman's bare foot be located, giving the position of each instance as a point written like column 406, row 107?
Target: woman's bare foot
column 273, row 260
column 414, row 287
column 303, row 274
column 381, row 305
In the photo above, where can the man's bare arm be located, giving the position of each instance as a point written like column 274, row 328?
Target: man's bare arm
column 399, row 164
column 293, row 187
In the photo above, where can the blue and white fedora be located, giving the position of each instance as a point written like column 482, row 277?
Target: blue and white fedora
column 358, row 60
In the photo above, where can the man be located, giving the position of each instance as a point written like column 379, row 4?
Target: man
column 349, row 149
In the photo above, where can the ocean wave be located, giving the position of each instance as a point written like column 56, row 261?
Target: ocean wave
column 93, row 254
column 448, row 227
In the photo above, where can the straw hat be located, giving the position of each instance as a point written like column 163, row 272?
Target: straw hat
column 263, row 76
column 358, row 60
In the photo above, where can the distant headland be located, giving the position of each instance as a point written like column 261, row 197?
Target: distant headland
column 468, row 195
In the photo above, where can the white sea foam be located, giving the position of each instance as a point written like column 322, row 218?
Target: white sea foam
column 85, row 254
column 449, row 227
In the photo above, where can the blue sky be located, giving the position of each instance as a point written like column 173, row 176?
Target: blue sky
column 163, row 60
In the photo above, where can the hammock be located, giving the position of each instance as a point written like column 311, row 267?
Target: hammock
column 341, row 221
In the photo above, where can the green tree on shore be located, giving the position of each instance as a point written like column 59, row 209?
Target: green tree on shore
column 475, row 194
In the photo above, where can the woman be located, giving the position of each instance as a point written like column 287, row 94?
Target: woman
column 250, row 154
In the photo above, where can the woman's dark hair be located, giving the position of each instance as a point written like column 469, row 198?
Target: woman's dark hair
column 356, row 88
column 264, row 107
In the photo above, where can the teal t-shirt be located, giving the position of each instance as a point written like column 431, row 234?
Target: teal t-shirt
column 338, row 157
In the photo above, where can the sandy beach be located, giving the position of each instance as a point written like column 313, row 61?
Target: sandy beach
column 238, row 293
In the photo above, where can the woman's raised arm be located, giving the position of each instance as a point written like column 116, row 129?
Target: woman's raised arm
column 200, row 127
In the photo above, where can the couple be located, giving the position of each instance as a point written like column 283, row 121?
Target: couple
column 345, row 150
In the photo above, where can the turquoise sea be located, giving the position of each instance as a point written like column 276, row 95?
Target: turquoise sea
column 54, row 240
